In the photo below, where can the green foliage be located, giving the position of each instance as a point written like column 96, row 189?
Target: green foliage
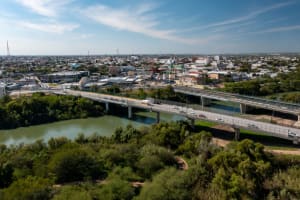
column 284, row 184
column 240, row 170
column 116, row 189
column 125, row 173
column 166, row 93
column 154, row 158
column 195, row 144
column 125, row 135
column 170, row 135
column 6, row 174
column 73, row 193
column 55, row 143
column 114, row 89
column 267, row 86
column 40, row 109
column 99, row 168
column 30, row 188
column 169, row 184
column 75, row 165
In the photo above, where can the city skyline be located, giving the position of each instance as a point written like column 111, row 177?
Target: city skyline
column 73, row 27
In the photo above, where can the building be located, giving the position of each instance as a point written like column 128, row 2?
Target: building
column 217, row 75
column 193, row 77
column 64, row 77
column 202, row 61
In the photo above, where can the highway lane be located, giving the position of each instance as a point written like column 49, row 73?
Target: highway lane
column 288, row 133
column 271, row 129
column 243, row 99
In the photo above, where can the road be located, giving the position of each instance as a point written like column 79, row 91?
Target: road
column 243, row 99
column 288, row 133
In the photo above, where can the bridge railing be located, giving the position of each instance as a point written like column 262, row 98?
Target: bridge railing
column 239, row 96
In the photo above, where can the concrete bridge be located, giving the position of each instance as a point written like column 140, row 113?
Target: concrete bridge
column 246, row 102
column 288, row 133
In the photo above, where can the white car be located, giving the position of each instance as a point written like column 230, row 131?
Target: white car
column 219, row 119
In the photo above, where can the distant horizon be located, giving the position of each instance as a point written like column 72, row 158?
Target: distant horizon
column 154, row 54
column 74, row 27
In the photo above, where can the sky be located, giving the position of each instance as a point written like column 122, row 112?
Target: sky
column 76, row 27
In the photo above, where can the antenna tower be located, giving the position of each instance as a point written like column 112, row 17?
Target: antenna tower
column 7, row 49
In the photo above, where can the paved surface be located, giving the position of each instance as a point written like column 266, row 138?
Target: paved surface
column 280, row 106
column 288, row 133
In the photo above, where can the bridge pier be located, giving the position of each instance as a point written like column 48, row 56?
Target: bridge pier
column 236, row 133
column 205, row 101
column 106, row 106
column 192, row 121
column 245, row 108
column 157, row 117
column 129, row 112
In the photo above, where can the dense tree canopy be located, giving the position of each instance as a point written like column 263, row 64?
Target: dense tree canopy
column 289, row 82
column 146, row 164
column 40, row 109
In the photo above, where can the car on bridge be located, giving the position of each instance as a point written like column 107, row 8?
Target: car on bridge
column 291, row 134
column 220, row 119
column 252, row 126
column 202, row 116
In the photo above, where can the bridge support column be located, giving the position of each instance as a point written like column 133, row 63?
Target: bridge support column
column 106, row 106
column 236, row 133
column 129, row 112
column 205, row 101
column 192, row 123
column 243, row 108
column 157, row 117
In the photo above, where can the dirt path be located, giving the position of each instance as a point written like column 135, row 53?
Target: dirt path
column 182, row 163
column 284, row 152
column 224, row 143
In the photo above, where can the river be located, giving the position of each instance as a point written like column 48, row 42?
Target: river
column 103, row 126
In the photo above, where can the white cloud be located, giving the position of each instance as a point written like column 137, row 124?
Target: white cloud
column 244, row 18
column 280, row 29
column 138, row 20
column 48, row 8
column 50, row 27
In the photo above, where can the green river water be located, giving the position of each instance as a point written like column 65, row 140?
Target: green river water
column 103, row 126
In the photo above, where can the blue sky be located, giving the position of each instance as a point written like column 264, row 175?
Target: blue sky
column 54, row 27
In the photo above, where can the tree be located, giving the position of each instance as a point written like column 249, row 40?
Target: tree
column 153, row 158
column 116, row 189
column 6, row 174
column 75, row 165
column 30, row 188
column 240, row 170
column 170, row 184
column 73, row 193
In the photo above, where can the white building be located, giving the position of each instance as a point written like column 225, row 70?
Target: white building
column 202, row 61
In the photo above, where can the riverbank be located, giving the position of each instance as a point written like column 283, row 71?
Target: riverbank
column 103, row 126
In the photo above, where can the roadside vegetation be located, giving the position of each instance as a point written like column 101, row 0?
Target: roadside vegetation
column 143, row 164
column 40, row 108
column 264, row 86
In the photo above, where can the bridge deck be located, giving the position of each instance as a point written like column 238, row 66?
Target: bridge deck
column 242, row 99
column 284, row 132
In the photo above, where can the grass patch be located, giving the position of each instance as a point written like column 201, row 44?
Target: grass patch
column 205, row 123
column 282, row 148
